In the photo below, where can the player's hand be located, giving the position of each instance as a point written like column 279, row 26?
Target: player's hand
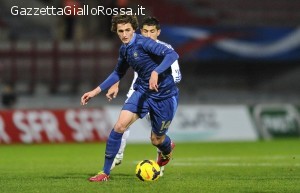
column 153, row 81
column 88, row 95
column 85, row 98
column 112, row 92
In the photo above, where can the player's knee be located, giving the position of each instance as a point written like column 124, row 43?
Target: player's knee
column 119, row 127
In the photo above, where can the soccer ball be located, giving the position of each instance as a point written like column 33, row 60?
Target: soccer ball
column 147, row 170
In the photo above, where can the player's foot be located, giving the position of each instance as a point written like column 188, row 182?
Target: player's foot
column 100, row 177
column 117, row 161
column 164, row 159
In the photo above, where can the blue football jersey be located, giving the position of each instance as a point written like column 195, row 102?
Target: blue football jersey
column 144, row 55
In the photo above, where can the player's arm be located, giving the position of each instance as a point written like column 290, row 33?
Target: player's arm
column 176, row 74
column 170, row 56
column 88, row 95
column 113, row 91
column 118, row 73
column 114, row 77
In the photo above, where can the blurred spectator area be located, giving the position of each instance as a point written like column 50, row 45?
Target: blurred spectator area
column 25, row 27
column 188, row 12
column 55, row 67
column 240, row 82
column 49, row 27
column 71, row 68
column 38, row 61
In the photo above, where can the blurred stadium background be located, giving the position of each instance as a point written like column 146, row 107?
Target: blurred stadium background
column 232, row 54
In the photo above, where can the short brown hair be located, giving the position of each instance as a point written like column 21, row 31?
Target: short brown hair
column 118, row 19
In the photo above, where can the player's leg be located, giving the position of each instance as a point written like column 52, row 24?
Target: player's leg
column 119, row 157
column 123, row 144
column 165, row 146
column 162, row 168
column 135, row 107
column 161, row 114
column 113, row 143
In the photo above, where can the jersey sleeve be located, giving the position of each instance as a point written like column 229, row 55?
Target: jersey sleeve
column 176, row 72
column 170, row 56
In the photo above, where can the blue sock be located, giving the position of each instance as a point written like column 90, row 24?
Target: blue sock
column 112, row 147
column 165, row 146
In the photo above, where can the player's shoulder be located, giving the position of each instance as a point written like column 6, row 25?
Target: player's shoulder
column 142, row 40
column 164, row 43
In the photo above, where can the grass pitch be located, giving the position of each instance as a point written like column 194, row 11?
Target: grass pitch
column 227, row 167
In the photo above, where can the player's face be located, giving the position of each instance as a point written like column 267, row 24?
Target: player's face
column 150, row 31
column 125, row 32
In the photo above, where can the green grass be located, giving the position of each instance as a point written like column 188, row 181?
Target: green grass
column 232, row 167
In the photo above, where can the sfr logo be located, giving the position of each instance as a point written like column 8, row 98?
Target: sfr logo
column 87, row 123
column 33, row 123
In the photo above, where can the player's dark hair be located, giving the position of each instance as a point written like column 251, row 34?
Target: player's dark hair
column 151, row 21
column 119, row 19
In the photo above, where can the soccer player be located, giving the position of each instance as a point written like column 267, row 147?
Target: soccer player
column 155, row 91
column 150, row 27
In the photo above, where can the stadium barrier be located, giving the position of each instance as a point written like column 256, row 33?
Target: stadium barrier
column 191, row 123
column 54, row 126
column 276, row 120
column 204, row 123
